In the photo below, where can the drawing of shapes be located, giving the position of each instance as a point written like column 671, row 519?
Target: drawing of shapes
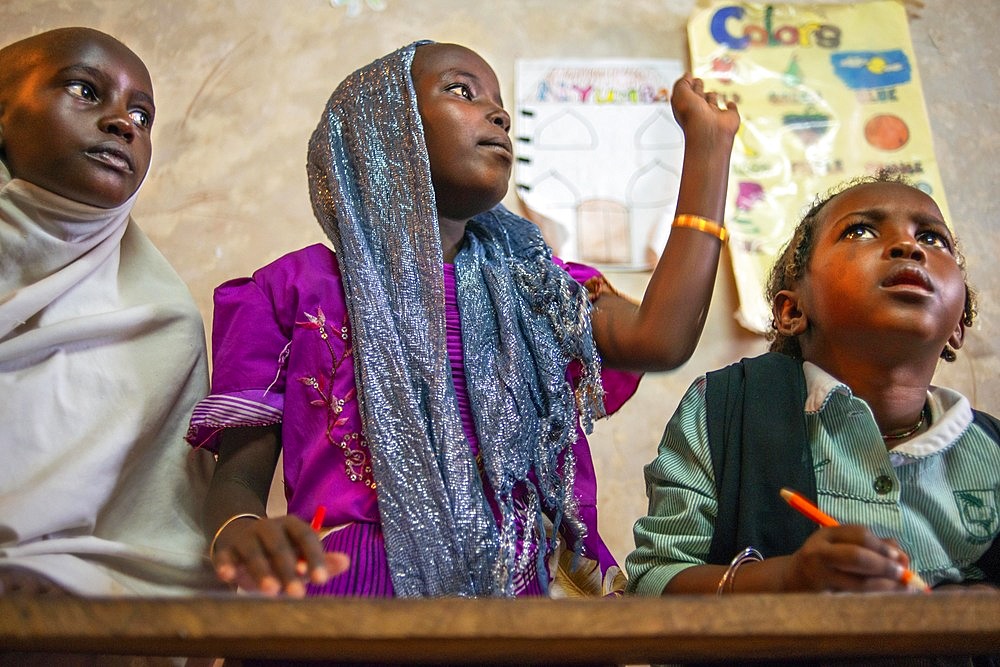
column 566, row 130
column 748, row 194
column 554, row 189
column 653, row 185
column 809, row 128
column 651, row 194
column 550, row 203
column 861, row 70
column 792, row 75
column 723, row 68
column 659, row 131
column 887, row 132
column 603, row 232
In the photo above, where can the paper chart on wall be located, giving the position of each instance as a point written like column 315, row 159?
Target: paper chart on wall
column 826, row 93
column 599, row 156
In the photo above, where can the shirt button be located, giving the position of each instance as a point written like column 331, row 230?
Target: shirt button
column 882, row 484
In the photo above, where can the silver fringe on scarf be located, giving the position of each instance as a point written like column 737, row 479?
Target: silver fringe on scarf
column 523, row 320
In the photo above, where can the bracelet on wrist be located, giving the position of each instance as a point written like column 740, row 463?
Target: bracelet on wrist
column 710, row 227
column 729, row 576
column 225, row 524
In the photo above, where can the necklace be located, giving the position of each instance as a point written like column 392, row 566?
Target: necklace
column 908, row 432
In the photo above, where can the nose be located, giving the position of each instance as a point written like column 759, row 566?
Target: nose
column 501, row 118
column 907, row 248
column 119, row 124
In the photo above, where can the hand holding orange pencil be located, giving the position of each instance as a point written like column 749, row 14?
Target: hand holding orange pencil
column 803, row 506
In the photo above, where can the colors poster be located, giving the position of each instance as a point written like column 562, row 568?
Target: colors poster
column 826, row 93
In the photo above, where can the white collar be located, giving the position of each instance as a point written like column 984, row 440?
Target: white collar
column 950, row 413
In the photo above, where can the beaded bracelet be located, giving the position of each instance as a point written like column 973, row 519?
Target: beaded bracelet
column 702, row 225
column 747, row 555
column 225, row 524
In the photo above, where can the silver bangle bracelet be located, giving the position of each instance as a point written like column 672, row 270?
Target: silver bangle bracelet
column 726, row 582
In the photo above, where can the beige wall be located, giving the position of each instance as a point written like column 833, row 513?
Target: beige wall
column 240, row 85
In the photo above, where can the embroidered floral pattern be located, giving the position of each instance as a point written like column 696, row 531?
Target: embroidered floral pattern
column 357, row 461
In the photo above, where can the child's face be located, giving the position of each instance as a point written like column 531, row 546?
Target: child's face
column 465, row 128
column 883, row 262
column 78, row 121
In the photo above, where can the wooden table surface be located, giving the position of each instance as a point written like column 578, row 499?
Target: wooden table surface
column 540, row 631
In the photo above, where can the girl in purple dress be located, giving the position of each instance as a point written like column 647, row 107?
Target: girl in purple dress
column 429, row 383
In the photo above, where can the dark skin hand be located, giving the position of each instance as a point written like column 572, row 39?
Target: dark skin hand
column 273, row 556
column 839, row 558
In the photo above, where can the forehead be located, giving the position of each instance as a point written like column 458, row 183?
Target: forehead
column 50, row 53
column 437, row 60
column 881, row 196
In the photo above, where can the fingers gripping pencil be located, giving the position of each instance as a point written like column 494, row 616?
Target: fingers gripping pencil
column 316, row 524
column 810, row 511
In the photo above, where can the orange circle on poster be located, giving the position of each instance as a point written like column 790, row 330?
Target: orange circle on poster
column 887, row 132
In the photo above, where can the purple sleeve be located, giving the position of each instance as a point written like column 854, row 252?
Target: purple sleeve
column 248, row 346
column 255, row 322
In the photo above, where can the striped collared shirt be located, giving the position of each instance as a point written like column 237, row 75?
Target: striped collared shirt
column 937, row 495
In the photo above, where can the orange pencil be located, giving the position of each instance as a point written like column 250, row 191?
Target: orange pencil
column 807, row 509
column 318, row 517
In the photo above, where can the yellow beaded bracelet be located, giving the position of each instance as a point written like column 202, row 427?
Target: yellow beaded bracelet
column 702, row 225
column 225, row 524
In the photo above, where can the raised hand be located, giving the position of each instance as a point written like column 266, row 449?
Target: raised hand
column 698, row 111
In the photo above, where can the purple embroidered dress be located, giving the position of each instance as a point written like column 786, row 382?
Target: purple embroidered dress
column 282, row 354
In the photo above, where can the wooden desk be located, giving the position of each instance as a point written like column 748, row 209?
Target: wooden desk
column 512, row 631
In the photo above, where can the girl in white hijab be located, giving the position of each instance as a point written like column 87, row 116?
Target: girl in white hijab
column 101, row 346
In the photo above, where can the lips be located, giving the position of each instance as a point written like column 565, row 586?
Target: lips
column 113, row 157
column 501, row 143
column 909, row 275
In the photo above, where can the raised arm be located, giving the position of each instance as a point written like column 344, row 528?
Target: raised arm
column 662, row 331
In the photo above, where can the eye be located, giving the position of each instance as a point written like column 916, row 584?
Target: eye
column 858, row 231
column 460, row 89
column 82, row 90
column 933, row 238
column 141, row 118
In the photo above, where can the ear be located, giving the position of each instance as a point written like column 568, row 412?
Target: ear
column 789, row 319
column 957, row 337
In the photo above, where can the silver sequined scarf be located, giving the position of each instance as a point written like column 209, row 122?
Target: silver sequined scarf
column 523, row 321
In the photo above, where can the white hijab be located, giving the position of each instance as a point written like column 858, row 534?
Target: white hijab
column 102, row 357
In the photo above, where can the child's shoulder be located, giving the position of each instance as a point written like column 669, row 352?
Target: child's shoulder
column 313, row 259
column 988, row 423
column 307, row 270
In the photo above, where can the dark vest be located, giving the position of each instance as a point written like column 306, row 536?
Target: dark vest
column 757, row 436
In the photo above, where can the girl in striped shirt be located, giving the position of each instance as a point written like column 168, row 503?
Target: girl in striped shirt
column 867, row 296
